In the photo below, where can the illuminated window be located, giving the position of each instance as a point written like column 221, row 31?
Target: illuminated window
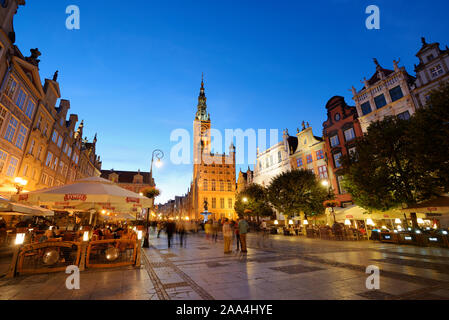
column 11, row 87
column 11, row 129
column 334, row 141
column 30, row 108
column 3, row 156
column 12, row 167
column 322, row 172
column 48, row 160
column 21, row 99
column 3, row 113
column 349, row 134
column 21, row 136
column 309, row 158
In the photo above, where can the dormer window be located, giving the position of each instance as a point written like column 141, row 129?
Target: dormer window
column 430, row 57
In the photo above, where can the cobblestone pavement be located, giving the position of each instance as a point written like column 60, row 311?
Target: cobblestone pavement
column 277, row 268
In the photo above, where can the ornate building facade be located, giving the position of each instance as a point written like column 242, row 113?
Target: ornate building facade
column 244, row 179
column 431, row 72
column 213, row 174
column 37, row 142
column 340, row 131
column 386, row 93
column 272, row 162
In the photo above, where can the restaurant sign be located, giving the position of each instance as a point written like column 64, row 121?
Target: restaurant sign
column 130, row 199
column 74, row 196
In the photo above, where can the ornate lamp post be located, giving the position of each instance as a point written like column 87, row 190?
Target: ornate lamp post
column 158, row 154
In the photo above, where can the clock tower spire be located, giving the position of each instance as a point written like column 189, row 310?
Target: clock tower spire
column 201, row 113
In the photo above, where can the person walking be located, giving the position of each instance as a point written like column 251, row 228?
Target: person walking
column 243, row 230
column 170, row 228
column 237, row 235
column 227, row 236
column 215, row 227
column 182, row 234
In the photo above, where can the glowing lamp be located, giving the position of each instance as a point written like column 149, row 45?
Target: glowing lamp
column 139, row 235
column 290, row 221
column 86, row 236
column 325, row 183
column 384, row 227
column 306, row 222
column 445, row 232
column 20, row 238
column 370, row 222
column 276, row 222
column 420, row 220
column 347, row 222
column 158, row 163
column 418, row 232
column 397, row 221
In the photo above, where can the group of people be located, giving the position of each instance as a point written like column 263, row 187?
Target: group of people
column 179, row 227
column 237, row 229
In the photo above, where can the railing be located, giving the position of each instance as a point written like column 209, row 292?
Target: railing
column 51, row 256
column 111, row 253
column 57, row 255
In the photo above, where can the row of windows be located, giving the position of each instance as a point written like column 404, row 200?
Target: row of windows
column 222, row 203
column 309, row 158
column 349, row 135
column 380, row 101
column 269, row 161
column 214, row 187
column 336, row 157
column 23, row 102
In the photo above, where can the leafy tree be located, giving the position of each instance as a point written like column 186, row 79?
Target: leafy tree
column 430, row 129
column 150, row 192
column 398, row 162
column 253, row 201
column 297, row 191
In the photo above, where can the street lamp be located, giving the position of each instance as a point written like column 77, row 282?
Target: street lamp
column 245, row 199
column 158, row 154
column 20, row 184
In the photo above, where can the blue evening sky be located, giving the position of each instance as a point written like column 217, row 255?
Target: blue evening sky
column 133, row 70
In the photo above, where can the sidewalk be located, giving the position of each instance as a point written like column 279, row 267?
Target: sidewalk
column 281, row 268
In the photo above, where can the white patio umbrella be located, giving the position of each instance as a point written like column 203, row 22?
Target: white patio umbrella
column 87, row 194
column 11, row 208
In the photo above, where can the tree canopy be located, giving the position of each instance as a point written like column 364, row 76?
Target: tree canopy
column 297, row 191
column 402, row 162
column 256, row 203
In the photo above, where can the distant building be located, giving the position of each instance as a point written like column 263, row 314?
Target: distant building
column 431, row 72
column 213, row 174
column 273, row 161
column 309, row 153
column 386, row 93
column 340, row 131
column 133, row 181
column 244, row 180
